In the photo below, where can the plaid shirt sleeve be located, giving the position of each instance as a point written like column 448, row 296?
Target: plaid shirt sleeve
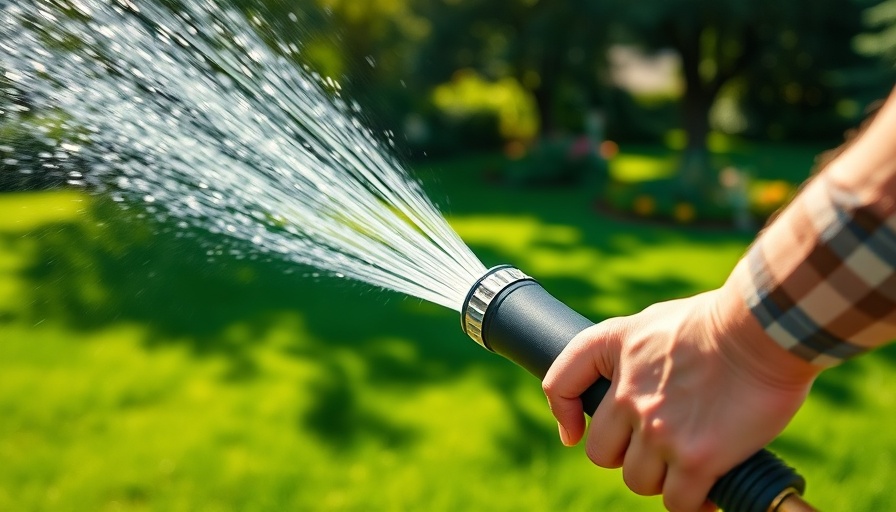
column 835, row 296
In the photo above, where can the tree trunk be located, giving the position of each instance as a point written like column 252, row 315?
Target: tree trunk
column 698, row 99
column 701, row 92
column 695, row 160
column 544, row 102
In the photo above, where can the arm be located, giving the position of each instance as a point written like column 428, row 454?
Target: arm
column 699, row 384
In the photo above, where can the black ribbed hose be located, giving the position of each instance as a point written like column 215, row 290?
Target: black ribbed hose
column 527, row 325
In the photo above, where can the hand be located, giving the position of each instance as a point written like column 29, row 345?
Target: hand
column 697, row 388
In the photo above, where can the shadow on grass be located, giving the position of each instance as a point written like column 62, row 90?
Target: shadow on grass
column 112, row 267
column 338, row 418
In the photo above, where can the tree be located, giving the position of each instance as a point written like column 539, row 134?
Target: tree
column 553, row 48
column 789, row 46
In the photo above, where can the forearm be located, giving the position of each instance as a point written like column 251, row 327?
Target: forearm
column 820, row 279
column 867, row 167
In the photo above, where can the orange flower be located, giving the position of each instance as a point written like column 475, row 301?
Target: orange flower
column 774, row 193
column 644, row 205
column 515, row 150
column 685, row 212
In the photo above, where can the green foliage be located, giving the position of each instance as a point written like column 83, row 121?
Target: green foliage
column 552, row 48
column 468, row 93
column 880, row 39
column 470, row 113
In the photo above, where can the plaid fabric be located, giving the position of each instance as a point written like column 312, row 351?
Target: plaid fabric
column 835, row 296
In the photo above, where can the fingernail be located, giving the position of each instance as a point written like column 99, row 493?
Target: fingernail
column 564, row 435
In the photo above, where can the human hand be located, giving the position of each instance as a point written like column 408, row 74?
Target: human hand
column 697, row 387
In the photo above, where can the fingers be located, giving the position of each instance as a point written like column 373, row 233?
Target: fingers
column 686, row 491
column 644, row 470
column 609, row 434
column 580, row 365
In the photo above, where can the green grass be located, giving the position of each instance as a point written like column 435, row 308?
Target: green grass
column 139, row 373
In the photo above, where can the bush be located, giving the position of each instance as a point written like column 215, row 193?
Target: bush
column 666, row 200
column 560, row 160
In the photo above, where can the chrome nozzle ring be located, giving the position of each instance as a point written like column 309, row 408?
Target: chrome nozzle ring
column 481, row 294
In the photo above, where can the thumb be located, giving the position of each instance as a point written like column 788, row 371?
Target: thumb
column 589, row 356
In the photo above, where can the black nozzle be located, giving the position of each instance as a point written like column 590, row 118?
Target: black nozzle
column 521, row 321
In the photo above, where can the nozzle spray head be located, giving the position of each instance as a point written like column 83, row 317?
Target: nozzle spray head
column 482, row 294
column 509, row 313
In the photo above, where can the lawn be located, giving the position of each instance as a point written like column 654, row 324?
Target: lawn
column 141, row 370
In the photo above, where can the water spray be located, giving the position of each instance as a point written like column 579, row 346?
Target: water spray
column 192, row 115
column 509, row 313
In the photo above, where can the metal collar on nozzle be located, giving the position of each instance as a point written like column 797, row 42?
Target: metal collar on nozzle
column 483, row 291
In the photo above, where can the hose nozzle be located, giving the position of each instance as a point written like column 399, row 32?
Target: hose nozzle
column 509, row 313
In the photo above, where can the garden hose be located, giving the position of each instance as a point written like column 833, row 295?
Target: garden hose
column 509, row 313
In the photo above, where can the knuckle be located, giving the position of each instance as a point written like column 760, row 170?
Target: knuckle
column 549, row 387
column 625, row 400
column 656, row 432
column 695, row 457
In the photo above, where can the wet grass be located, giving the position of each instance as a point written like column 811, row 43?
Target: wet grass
column 142, row 370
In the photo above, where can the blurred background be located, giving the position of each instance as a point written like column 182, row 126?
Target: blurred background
column 622, row 152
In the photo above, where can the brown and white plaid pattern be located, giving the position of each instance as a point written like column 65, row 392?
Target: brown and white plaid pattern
column 839, row 298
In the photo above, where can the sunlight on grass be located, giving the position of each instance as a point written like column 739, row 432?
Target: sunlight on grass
column 25, row 211
column 553, row 251
column 180, row 383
